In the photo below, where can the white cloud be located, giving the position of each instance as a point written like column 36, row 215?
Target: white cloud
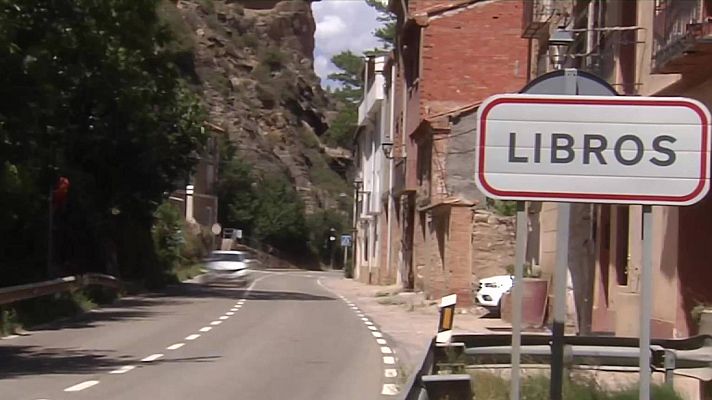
column 342, row 25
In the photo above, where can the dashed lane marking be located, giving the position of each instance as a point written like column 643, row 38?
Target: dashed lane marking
column 373, row 328
column 81, row 386
column 390, row 373
column 152, row 357
column 377, row 334
column 175, row 346
column 192, row 337
column 389, row 389
column 386, row 350
column 381, row 341
column 224, row 317
column 389, row 360
column 216, row 323
column 229, row 313
column 123, row 370
column 205, row 329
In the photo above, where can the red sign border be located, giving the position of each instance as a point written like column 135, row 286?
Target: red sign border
column 562, row 196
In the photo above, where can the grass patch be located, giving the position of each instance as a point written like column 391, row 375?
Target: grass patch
column 40, row 310
column 490, row 386
column 185, row 272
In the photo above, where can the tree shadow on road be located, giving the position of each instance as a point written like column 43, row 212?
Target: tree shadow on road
column 35, row 360
column 277, row 295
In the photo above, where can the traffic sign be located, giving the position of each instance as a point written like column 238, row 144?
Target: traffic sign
column 593, row 149
column 216, row 229
column 345, row 240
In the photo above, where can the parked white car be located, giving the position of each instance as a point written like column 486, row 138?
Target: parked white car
column 229, row 265
column 490, row 291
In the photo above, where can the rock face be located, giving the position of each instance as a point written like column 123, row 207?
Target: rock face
column 253, row 61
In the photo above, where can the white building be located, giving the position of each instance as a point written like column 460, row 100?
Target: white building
column 372, row 261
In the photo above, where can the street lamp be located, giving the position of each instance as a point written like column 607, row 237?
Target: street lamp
column 358, row 182
column 559, row 43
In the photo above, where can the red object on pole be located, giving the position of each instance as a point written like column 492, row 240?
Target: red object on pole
column 59, row 195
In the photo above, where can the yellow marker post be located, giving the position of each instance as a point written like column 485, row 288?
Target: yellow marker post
column 447, row 317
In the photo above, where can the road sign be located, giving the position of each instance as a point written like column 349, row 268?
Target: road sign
column 345, row 240
column 593, row 149
column 216, row 229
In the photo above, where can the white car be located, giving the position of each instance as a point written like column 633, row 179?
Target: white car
column 490, row 291
column 229, row 265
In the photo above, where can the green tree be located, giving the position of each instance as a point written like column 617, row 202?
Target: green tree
column 387, row 32
column 349, row 76
column 97, row 97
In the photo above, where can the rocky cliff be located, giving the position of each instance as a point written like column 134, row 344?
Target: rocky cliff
column 252, row 60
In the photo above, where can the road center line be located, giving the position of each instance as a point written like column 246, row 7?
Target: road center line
column 390, row 373
column 81, row 386
column 175, row 346
column 386, row 350
column 205, row 329
column 229, row 313
column 224, row 317
column 381, row 341
column 373, row 328
column 192, row 337
column 377, row 334
column 389, row 360
column 152, row 357
column 123, row 370
column 216, row 323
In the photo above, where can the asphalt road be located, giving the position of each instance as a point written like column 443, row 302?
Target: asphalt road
column 289, row 339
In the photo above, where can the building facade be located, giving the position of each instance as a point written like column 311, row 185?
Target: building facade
column 642, row 48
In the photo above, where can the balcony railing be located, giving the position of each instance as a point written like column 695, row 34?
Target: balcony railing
column 682, row 36
column 538, row 14
column 373, row 98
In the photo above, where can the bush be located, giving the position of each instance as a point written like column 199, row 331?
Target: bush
column 273, row 58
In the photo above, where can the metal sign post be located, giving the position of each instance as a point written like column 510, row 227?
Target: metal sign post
column 519, row 254
column 646, row 303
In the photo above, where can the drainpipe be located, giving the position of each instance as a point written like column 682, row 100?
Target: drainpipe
column 391, row 120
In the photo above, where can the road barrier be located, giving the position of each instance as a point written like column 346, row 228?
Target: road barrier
column 12, row 294
column 443, row 372
column 691, row 357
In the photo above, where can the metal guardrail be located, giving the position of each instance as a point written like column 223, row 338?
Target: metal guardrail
column 11, row 294
column 691, row 357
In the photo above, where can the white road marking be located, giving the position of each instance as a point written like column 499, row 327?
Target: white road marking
column 389, row 360
column 234, row 309
column 205, row 329
column 229, row 313
column 192, row 337
column 152, row 357
column 360, row 314
column 216, row 323
column 241, row 302
column 368, row 323
column 373, row 328
column 10, row 337
column 175, row 346
column 364, row 319
column 377, row 334
column 123, row 370
column 224, row 317
column 386, row 350
column 381, row 341
column 390, row 373
column 389, row 389
column 81, row 386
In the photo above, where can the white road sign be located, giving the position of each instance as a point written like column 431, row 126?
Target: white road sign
column 593, row 149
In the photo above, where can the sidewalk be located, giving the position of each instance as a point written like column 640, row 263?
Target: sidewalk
column 407, row 319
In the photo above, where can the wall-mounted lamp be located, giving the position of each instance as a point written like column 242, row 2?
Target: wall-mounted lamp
column 387, row 149
column 559, row 43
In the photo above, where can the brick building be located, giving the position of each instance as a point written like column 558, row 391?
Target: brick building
column 449, row 56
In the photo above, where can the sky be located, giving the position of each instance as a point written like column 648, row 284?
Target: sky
column 341, row 25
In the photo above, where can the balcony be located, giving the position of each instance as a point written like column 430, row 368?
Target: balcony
column 682, row 37
column 371, row 103
column 538, row 14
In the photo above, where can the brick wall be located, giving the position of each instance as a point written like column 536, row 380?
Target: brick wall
column 470, row 55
